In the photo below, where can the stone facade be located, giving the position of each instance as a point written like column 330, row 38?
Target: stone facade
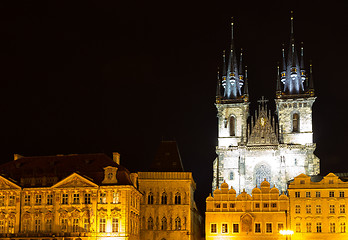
column 242, row 216
column 318, row 207
column 168, row 209
column 94, row 204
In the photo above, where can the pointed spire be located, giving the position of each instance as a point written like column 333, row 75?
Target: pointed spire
column 218, row 87
column 292, row 23
column 278, row 86
column 246, row 87
column 311, row 82
column 241, row 62
column 224, row 63
column 302, row 58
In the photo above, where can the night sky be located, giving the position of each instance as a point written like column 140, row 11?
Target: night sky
column 90, row 77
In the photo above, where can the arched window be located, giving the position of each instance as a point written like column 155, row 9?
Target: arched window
column 150, row 198
column 232, row 126
column 177, row 223
column 262, row 172
column 295, row 122
column 177, row 199
column 150, row 223
column 164, row 198
column 164, row 224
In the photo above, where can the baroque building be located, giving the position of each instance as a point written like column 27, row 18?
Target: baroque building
column 278, row 147
column 85, row 196
column 168, row 208
column 242, row 216
column 318, row 207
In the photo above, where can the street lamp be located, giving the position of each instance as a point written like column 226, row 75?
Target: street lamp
column 286, row 233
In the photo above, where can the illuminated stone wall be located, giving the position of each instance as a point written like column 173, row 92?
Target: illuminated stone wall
column 318, row 209
column 168, row 209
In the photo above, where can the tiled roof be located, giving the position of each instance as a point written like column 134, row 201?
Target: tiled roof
column 61, row 166
column 167, row 158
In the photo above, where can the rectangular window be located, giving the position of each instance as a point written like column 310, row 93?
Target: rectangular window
column 298, row 227
column 26, row 225
column 2, row 226
column 297, row 194
column 268, row 227
column 75, row 225
column 341, row 194
column 308, row 208
column 331, row 181
column 342, row 208
column 49, row 225
column 280, row 226
column 2, row 200
column 26, row 200
column 49, row 199
column 235, row 227
column 317, row 194
column 332, row 208
column 309, row 227
column 217, row 205
column 64, row 225
column 318, row 209
column 308, row 194
column 224, row 228
column 11, row 200
column 76, row 198
column 332, row 227
column 224, row 205
column 257, row 205
column 64, row 198
column 86, row 225
column 213, row 228
column 274, row 205
column 343, row 227
column 38, row 199
column 87, row 198
column 102, row 198
column 102, row 225
column 257, row 227
column 115, row 197
column 115, row 225
column 297, row 209
column 10, row 226
column 265, row 205
column 37, row 225
column 318, row 227
column 232, row 205
column 331, row 194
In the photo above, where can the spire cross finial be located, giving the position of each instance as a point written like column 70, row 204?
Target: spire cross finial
column 232, row 27
column 292, row 22
column 262, row 100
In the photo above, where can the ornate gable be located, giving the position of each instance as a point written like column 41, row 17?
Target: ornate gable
column 262, row 132
column 73, row 181
column 6, row 184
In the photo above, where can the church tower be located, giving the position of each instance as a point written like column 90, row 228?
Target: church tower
column 264, row 146
column 232, row 103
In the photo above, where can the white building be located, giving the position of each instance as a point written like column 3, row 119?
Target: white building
column 254, row 147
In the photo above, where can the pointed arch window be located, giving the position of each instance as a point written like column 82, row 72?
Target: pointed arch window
column 232, row 126
column 164, row 198
column 262, row 172
column 177, row 199
column 150, row 223
column 295, row 122
column 164, row 224
column 150, row 198
column 177, row 223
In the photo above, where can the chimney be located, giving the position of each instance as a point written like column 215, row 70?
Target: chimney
column 116, row 157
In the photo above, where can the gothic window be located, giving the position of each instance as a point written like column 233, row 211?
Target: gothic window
column 295, row 122
column 177, row 223
column 177, row 199
column 164, row 224
column 262, row 172
column 231, row 175
column 164, row 198
column 150, row 198
column 232, row 126
column 150, row 223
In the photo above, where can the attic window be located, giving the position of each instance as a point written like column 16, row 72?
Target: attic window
column 302, row 182
column 331, row 181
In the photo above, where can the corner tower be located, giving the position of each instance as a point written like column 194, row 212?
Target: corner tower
column 232, row 103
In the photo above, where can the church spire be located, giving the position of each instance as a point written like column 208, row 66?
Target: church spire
column 218, row 87
column 278, row 87
column 310, row 80
column 246, row 87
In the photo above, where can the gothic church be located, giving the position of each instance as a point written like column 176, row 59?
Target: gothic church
column 252, row 148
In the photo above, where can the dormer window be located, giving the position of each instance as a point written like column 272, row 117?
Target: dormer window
column 110, row 175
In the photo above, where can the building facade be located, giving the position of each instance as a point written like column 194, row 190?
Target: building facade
column 254, row 147
column 87, row 196
column 242, row 216
column 168, row 208
column 318, row 207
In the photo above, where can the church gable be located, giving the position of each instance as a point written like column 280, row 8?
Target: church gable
column 263, row 130
column 74, row 180
column 6, row 184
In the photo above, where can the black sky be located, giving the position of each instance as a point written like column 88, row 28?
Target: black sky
column 87, row 77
